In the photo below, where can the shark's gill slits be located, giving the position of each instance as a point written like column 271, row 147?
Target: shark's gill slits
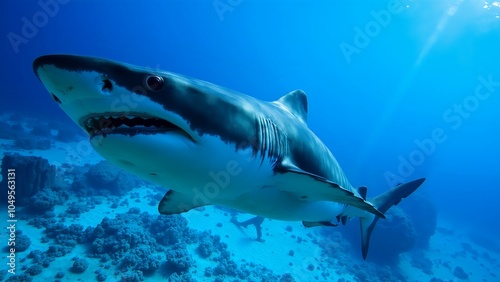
column 272, row 141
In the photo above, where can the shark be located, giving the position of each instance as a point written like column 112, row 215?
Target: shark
column 210, row 145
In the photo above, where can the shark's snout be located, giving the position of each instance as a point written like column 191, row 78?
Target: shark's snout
column 104, row 97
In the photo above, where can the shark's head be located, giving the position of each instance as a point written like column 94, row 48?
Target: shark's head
column 137, row 117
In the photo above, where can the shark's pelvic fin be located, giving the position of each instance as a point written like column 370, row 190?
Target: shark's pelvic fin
column 362, row 192
column 311, row 187
column 318, row 223
column 296, row 103
column 383, row 202
column 174, row 203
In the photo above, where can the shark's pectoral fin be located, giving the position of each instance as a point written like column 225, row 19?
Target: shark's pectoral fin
column 174, row 203
column 311, row 187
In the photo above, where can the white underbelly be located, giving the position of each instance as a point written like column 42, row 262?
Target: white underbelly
column 272, row 203
column 217, row 171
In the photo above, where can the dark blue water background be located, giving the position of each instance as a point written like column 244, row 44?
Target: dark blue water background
column 410, row 80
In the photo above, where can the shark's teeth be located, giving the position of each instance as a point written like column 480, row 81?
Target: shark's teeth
column 107, row 124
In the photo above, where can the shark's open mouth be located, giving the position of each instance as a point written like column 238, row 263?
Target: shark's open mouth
column 129, row 125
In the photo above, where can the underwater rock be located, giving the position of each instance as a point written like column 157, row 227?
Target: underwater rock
column 423, row 214
column 32, row 175
column 397, row 231
column 391, row 237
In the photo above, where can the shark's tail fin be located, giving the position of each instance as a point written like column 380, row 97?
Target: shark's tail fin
column 383, row 203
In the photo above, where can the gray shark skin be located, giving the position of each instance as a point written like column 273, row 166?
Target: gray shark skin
column 210, row 145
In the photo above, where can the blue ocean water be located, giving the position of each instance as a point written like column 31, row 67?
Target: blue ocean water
column 397, row 90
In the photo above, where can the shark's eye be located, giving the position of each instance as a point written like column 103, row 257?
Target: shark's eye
column 154, row 82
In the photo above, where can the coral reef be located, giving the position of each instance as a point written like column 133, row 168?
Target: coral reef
column 32, row 174
column 178, row 258
column 23, row 242
column 19, row 278
column 34, row 269
column 68, row 135
column 173, row 229
column 46, row 199
column 208, row 244
column 132, row 276
column 79, row 265
column 418, row 260
column 460, row 273
column 32, row 143
column 41, row 130
column 8, row 131
column 184, row 277
column 104, row 178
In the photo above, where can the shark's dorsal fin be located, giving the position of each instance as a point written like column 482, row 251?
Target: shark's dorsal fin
column 296, row 103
